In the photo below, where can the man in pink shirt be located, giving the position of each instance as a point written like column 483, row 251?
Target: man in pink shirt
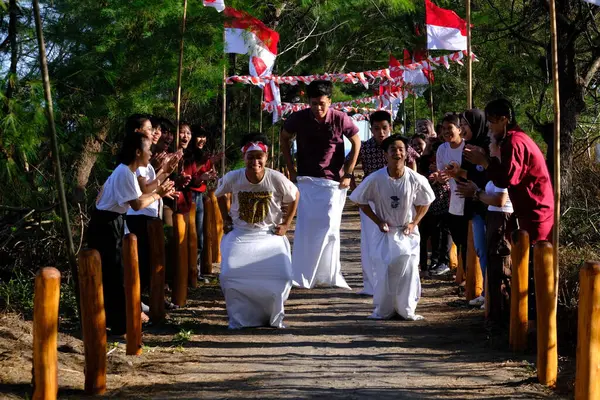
column 522, row 169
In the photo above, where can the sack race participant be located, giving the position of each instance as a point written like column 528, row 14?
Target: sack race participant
column 105, row 231
column 401, row 198
column 319, row 132
column 372, row 158
column 256, row 267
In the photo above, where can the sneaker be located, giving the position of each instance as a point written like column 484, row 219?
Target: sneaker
column 440, row 270
column 145, row 308
column 478, row 301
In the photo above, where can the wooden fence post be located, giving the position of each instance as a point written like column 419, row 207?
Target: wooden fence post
column 587, row 378
column 192, row 249
column 460, row 268
column 545, row 300
column 474, row 285
column 209, row 222
column 218, row 229
column 45, row 334
column 93, row 321
column 156, row 236
column 180, row 236
column 518, row 291
column 453, row 257
column 133, row 303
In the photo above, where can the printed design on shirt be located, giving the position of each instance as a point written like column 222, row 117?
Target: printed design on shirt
column 395, row 201
column 254, row 206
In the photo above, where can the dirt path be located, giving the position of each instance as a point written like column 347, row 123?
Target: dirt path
column 329, row 350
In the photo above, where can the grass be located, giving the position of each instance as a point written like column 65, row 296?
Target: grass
column 183, row 337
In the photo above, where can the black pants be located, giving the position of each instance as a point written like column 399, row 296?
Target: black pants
column 459, row 230
column 499, row 269
column 435, row 227
column 138, row 225
column 105, row 234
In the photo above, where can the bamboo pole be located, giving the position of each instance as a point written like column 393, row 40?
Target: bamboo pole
column 273, row 146
column 587, row 378
column 180, row 235
column 132, row 295
column 453, row 257
column 260, row 111
column 249, row 108
column 460, row 268
column 179, row 75
column 545, row 299
column 45, row 334
column 192, row 249
column 207, row 251
column 415, row 113
column 519, row 286
column 217, row 228
column 223, row 112
column 469, row 59
column 157, row 268
column 555, row 87
column 474, row 285
column 60, row 186
column 431, row 103
column 93, row 321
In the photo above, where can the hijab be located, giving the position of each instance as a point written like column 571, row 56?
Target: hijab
column 476, row 120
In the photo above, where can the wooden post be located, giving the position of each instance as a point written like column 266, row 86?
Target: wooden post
column 469, row 59
column 179, row 74
column 218, row 229
column 587, row 378
column 209, row 221
column 453, row 257
column 273, row 146
column 192, row 249
column 55, row 153
column 415, row 112
column 45, row 334
column 133, row 303
column 460, row 268
column 555, row 87
column 180, row 236
column 545, row 298
column 260, row 112
column 93, row 321
column 474, row 285
column 518, row 291
column 157, row 270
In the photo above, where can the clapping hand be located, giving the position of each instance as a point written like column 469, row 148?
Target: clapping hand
column 466, row 190
column 166, row 189
column 474, row 155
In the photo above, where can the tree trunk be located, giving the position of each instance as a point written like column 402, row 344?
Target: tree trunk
column 86, row 161
column 13, row 10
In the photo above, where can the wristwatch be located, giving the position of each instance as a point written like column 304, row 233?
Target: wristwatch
column 348, row 175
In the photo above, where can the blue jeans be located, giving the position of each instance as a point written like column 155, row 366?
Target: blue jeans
column 198, row 199
column 480, row 243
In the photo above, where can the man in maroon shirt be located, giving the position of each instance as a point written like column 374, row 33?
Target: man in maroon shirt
column 522, row 169
column 323, row 177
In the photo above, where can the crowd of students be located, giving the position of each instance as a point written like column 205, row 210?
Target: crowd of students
column 416, row 194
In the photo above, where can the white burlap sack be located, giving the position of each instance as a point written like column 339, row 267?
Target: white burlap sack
column 256, row 277
column 367, row 229
column 398, row 286
column 316, row 257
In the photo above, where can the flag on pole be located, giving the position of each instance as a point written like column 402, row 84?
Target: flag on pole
column 415, row 77
column 594, row 2
column 219, row 5
column 273, row 97
column 445, row 29
column 245, row 34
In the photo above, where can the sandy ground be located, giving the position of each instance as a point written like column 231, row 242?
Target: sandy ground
column 329, row 350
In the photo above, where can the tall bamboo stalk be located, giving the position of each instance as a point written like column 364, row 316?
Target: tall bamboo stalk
column 555, row 234
column 260, row 112
column 469, row 59
column 60, row 186
column 179, row 73
column 224, row 114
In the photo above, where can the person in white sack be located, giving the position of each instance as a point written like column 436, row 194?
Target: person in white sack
column 401, row 198
column 256, row 267
column 323, row 178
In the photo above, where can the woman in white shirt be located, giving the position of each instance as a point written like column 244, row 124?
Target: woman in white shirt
column 105, row 231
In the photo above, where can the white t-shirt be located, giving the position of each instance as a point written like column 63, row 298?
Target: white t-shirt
column 490, row 188
column 257, row 206
column 446, row 154
column 119, row 189
column 394, row 200
column 150, row 175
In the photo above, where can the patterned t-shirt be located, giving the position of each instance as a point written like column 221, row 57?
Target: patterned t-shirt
column 257, row 205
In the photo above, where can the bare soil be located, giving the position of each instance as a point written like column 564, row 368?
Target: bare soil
column 328, row 350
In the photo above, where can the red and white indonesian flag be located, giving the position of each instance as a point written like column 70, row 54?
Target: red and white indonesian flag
column 245, row 34
column 445, row 29
column 273, row 97
column 219, row 5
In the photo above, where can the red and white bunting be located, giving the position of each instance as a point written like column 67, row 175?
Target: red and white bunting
column 366, row 77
